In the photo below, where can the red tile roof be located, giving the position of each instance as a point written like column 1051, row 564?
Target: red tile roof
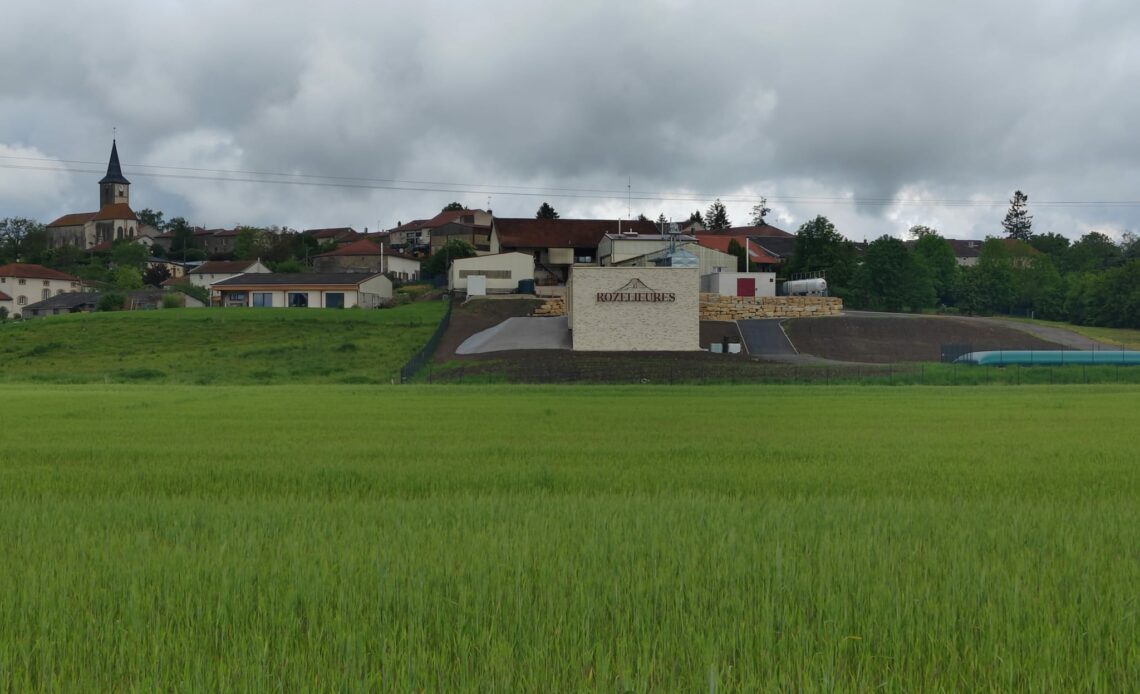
column 4, row 297
column 119, row 210
column 448, row 216
column 71, row 220
column 35, row 272
column 361, row 247
column 329, row 233
column 524, row 232
column 720, row 243
column 436, row 221
column 762, row 230
column 412, row 225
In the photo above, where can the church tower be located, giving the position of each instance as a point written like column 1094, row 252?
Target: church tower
column 114, row 188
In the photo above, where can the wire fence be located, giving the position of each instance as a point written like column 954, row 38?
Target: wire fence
column 570, row 370
column 408, row 370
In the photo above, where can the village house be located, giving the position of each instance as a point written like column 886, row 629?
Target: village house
column 338, row 235
column 365, row 256
column 415, row 237
column 312, row 290
column 22, row 284
column 112, row 222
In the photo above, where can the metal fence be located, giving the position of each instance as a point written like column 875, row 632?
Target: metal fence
column 407, row 371
column 562, row 368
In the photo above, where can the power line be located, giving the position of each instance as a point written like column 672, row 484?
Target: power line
column 364, row 183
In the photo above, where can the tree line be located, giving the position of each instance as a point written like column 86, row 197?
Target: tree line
column 1091, row 281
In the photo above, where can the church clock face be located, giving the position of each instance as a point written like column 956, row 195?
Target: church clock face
column 120, row 191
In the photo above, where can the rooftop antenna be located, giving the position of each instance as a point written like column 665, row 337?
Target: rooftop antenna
column 629, row 197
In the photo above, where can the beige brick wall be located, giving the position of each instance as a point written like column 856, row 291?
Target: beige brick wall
column 634, row 325
column 717, row 307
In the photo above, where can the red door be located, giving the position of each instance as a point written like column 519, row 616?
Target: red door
column 746, row 286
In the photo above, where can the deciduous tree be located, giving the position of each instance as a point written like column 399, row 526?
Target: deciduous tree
column 128, row 278
column 127, row 253
column 891, row 279
column 151, row 217
column 819, row 247
column 440, row 261
column 935, row 254
column 155, row 275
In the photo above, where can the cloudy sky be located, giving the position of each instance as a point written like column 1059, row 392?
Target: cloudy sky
column 879, row 114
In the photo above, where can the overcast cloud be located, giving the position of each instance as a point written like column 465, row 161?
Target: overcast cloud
column 893, row 103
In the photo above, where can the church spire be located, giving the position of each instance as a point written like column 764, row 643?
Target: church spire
column 114, row 171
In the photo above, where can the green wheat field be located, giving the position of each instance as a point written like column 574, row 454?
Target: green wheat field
column 356, row 538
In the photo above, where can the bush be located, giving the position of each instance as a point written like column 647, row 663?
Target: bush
column 111, row 301
column 172, row 300
column 3, row 313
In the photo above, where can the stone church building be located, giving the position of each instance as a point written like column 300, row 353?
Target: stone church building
column 115, row 220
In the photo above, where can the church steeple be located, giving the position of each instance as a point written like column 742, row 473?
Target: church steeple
column 114, row 187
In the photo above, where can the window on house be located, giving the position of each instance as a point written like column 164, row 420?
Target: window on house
column 47, row 283
column 23, row 281
column 334, row 300
column 298, row 300
column 263, row 299
column 21, row 301
column 46, row 294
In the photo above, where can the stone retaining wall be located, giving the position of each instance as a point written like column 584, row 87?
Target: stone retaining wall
column 720, row 307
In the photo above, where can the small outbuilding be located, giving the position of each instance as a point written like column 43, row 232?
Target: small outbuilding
column 503, row 272
column 739, row 283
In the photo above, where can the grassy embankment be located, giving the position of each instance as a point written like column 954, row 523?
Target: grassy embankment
column 566, row 539
column 1126, row 338
column 224, row 346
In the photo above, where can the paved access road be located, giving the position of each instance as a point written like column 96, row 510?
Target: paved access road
column 520, row 333
column 765, row 337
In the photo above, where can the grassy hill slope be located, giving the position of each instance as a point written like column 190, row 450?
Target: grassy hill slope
column 232, row 346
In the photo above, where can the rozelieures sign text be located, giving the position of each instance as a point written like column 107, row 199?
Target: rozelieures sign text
column 650, row 297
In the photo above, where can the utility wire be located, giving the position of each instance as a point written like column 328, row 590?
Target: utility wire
column 363, row 183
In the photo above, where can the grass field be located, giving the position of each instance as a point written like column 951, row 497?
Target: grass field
column 566, row 539
column 230, row 346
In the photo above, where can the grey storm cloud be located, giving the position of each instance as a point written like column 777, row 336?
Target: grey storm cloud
column 809, row 103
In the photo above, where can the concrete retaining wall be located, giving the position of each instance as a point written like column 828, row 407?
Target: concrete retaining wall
column 717, row 307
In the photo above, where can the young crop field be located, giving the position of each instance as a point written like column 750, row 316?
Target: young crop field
column 206, row 346
column 512, row 538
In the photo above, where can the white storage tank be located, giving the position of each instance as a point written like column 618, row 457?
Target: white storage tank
column 811, row 287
